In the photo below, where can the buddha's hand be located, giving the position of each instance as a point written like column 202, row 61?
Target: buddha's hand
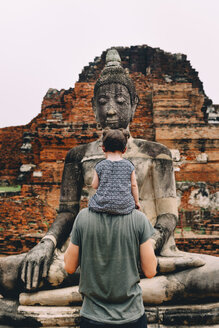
column 163, row 238
column 36, row 264
column 171, row 259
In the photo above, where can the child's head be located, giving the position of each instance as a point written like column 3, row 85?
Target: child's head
column 115, row 140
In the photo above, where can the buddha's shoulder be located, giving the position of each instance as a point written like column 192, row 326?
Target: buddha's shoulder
column 77, row 153
column 152, row 149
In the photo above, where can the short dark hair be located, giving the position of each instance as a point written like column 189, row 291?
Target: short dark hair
column 115, row 140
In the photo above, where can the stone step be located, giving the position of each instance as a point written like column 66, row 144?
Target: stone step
column 190, row 315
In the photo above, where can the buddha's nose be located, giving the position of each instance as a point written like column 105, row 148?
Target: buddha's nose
column 111, row 111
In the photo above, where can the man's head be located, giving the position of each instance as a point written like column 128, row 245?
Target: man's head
column 115, row 98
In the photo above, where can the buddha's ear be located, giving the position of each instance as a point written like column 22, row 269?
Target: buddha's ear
column 94, row 108
column 93, row 105
column 134, row 105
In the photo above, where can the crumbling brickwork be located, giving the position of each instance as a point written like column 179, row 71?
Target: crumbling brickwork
column 173, row 110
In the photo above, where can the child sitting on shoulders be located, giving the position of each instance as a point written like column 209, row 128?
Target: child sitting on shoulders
column 114, row 177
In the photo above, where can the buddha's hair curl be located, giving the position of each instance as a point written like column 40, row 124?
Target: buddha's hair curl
column 115, row 140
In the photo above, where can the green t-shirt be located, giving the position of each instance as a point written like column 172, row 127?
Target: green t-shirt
column 109, row 257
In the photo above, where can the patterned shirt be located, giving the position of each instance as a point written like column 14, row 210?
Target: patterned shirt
column 114, row 191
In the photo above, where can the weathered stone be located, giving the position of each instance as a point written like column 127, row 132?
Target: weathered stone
column 26, row 146
column 11, row 317
column 213, row 114
column 181, row 316
column 27, row 167
column 202, row 198
column 202, row 158
column 175, row 154
column 37, row 174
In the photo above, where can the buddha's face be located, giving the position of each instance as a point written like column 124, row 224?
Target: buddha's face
column 112, row 106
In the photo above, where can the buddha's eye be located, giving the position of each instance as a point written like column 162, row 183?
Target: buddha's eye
column 102, row 100
column 120, row 100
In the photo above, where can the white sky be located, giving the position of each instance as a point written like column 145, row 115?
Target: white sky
column 46, row 43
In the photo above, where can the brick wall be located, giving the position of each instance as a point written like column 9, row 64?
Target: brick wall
column 200, row 245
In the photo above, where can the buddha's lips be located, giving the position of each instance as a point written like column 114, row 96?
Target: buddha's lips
column 111, row 121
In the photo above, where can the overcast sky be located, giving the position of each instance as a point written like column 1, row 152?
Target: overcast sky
column 46, row 43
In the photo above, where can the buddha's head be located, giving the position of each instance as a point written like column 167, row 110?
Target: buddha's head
column 115, row 98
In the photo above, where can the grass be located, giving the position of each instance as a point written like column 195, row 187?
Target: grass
column 187, row 228
column 10, row 188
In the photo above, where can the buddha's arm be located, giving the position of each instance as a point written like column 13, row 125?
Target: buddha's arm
column 37, row 261
column 167, row 216
column 165, row 200
column 71, row 187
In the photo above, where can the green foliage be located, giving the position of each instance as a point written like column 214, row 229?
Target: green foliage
column 187, row 228
column 10, row 188
column 46, row 223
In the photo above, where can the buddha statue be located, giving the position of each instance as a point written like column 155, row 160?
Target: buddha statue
column 180, row 275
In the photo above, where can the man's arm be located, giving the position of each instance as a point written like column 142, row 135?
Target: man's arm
column 71, row 258
column 148, row 259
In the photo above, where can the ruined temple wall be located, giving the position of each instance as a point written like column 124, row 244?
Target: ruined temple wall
column 172, row 110
column 181, row 126
column 10, row 143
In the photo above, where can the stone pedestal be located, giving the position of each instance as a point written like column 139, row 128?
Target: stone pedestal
column 200, row 315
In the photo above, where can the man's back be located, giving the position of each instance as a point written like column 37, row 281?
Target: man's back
column 109, row 257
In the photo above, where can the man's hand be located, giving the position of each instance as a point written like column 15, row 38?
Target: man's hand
column 36, row 264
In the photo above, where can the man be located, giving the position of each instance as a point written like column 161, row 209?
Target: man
column 108, row 249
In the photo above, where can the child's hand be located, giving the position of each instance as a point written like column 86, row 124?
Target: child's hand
column 138, row 206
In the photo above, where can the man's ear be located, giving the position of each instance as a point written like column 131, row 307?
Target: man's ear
column 134, row 105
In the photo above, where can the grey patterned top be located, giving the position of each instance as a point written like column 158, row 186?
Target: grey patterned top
column 114, row 192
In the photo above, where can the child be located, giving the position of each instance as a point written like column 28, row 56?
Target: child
column 114, row 177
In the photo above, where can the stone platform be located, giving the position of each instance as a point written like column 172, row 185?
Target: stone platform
column 200, row 315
